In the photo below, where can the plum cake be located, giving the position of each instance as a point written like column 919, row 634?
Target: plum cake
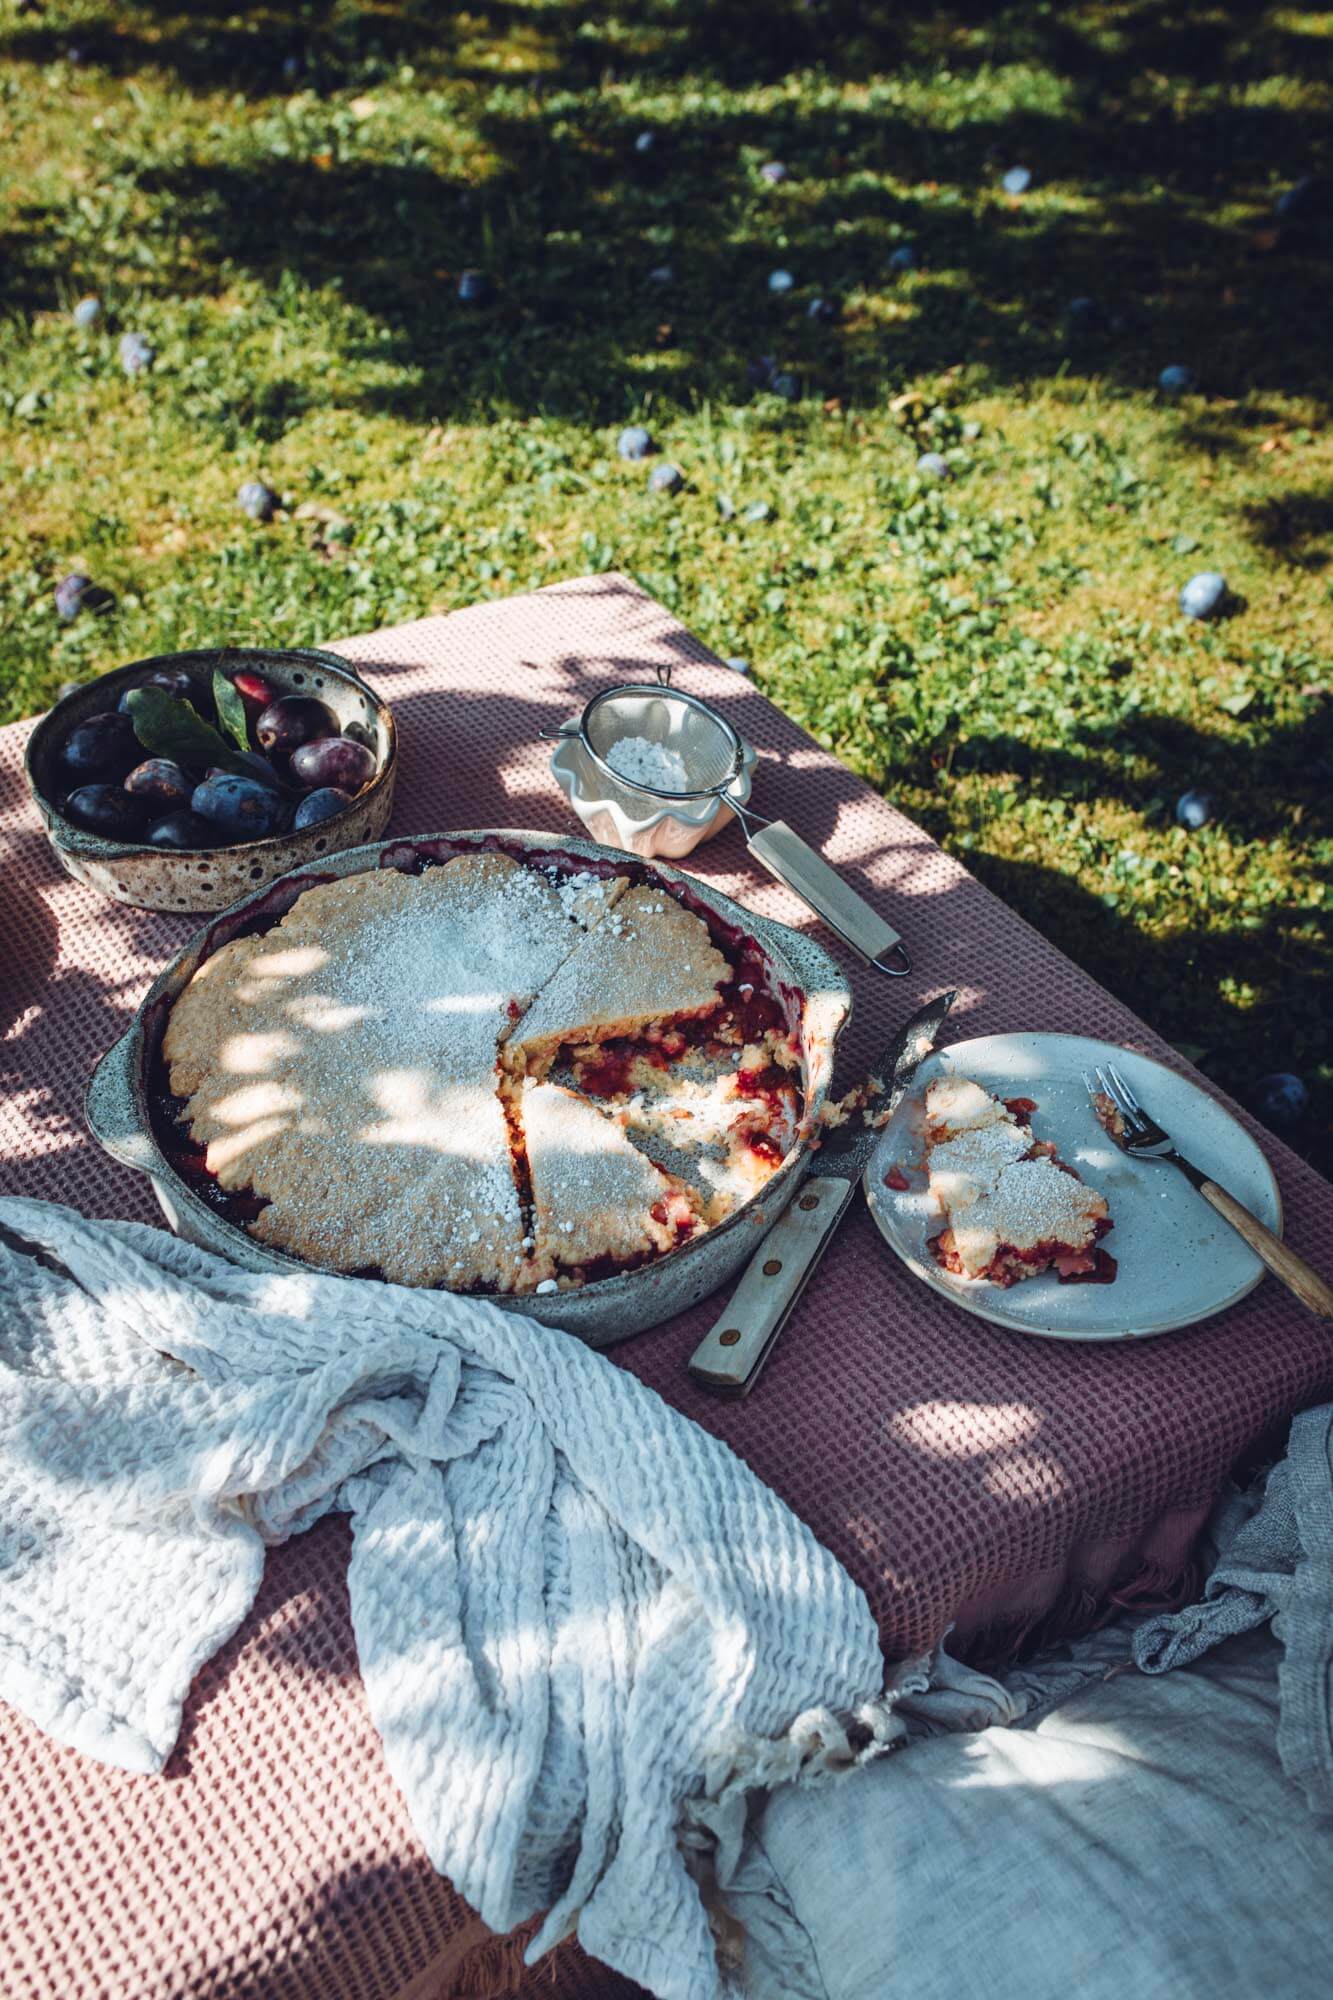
column 491, row 1076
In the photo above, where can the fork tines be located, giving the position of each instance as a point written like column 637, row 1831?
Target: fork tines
column 1110, row 1083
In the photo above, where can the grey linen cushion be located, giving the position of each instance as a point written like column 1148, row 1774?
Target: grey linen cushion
column 1140, row 1840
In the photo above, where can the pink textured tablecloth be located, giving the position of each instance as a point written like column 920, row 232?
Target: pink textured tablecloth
column 963, row 1474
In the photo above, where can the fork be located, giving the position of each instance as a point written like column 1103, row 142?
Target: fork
column 1137, row 1133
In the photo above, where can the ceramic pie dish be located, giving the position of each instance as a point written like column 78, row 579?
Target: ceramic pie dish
column 133, row 1114
column 152, row 878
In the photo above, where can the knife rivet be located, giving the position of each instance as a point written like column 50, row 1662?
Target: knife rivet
column 730, row 1337
column 808, row 1201
column 772, row 1267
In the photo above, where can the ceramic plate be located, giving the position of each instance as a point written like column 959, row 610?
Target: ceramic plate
column 1178, row 1261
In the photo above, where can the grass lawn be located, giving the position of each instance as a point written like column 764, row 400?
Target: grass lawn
column 282, row 198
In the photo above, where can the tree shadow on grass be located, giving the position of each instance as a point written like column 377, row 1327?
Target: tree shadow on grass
column 577, row 328
column 571, row 219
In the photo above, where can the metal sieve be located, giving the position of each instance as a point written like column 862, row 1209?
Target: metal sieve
column 714, row 756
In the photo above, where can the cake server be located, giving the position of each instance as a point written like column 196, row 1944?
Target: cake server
column 728, row 1359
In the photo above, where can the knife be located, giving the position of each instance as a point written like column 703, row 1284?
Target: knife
column 728, row 1360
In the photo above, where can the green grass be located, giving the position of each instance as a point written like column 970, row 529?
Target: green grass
column 1001, row 655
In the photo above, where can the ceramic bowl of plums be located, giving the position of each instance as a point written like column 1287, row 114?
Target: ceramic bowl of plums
column 181, row 783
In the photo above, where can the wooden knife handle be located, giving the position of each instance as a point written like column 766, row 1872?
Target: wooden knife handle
column 728, row 1359
column 1286, row 1266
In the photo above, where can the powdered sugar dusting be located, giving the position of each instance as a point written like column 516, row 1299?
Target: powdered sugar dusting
column 648, row 959
column 656, row 765
column 586, row 897
column 994, row 1197
column 1032, row 1202
column 971, row 1164
column 956, row 1104
column 351, row 1069
column 593, row 1193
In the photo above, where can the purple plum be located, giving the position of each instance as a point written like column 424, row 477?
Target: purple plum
column 291, row 720
column 1281, row 1100
column 75, row 593
column 101, row 746
column 1194, row 809
column 174, row 681
column 137, row 353
column 161, row 783
column 333, row 762
column 1205, row 595
column 107, row 809
column 240, row 809
column 181, row 830
column 257, row 500
column 321, row 805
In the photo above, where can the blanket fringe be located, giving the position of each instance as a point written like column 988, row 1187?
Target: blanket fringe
column 498, row 1969
column 1006, row 1642
column 820, row 1743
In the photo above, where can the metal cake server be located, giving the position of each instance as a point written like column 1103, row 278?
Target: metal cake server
column 728, row 1360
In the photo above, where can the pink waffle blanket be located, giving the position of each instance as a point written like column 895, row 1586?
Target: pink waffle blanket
column 963, row 1474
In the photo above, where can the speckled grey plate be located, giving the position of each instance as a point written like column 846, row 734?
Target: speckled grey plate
column 1178, row 1261
column 153, row 878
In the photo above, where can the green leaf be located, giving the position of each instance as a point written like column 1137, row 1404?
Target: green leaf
column 170, row 728
column 231, row 709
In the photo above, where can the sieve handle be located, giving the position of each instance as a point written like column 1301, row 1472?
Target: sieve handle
column 787, row 856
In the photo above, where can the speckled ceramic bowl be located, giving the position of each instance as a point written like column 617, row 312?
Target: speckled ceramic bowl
column 152, row 878
column 120, row 1102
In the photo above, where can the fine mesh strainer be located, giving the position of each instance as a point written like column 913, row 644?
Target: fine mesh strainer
column 714, row 757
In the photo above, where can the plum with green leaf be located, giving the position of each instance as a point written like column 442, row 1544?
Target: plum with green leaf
column 290, row 721
column 101, row 746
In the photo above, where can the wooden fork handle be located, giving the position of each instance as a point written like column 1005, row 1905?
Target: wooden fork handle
column 1286, row 1266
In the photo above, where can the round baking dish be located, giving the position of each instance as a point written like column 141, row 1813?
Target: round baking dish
column 809, row 984
column 153, row 878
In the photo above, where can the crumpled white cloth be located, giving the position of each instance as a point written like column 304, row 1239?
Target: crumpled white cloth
column 578, row 1616
column 1278, row 1565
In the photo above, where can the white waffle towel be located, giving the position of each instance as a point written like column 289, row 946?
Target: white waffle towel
column 580, row 1619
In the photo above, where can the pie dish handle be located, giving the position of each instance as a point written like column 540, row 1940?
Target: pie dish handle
column 110, row 1105
column 848, row 915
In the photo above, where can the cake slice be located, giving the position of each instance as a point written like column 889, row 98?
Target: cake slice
column 1012, row 1209
column 724, row 1129
column 596, row 1200
column 646, row 962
